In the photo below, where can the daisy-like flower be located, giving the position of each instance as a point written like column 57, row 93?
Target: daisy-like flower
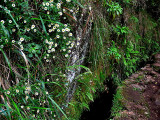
column 17, row 91
column 22, row 106
column 47, row 60
column 69, row 51
column 64, row 10
column 13, row 5
column 26, row 92
column 53, row 49
column 56, row 45
column 48, row 12
column 47, row 4
column 45, row 57
column 2, row 21
column 28, row 88
column 64, row 50
column 28, row 108
column 57, row 36
column 51, row 5
column 58, row 30
column 24, row 21
column 49, row 51
column 13, row 41
column 8, row 92
column 28, row 29
column 49, row 25
column 60, row 13
column 50, row 30
column 78, row 43
column 10, row 21
column 63, row 30
column 64, row 18
column 36, row 93
column 70, row 34
column 67, row 29
column 46, row 92
column 64, row 37
column 58, row 5
column 54, row 57
column 38, row 111
column 2, row 46
column 21, row 39
column 57, row 25
column 66, row 55
column 68, row 0
column 33, row 26
column 19, row 43
column 27, row 97
column 13, row 30
column 65, row 25
column 45, row 8
column 43, row 3
column 35, row 30
column 47, row 80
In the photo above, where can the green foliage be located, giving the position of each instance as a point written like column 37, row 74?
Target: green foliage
column 113, row 8
column 120, row 30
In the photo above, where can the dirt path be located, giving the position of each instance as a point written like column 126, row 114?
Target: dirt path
column 141, row 94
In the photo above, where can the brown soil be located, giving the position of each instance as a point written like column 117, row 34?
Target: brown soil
column 141, row 94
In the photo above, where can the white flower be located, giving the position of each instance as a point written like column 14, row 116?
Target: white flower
column 63, row 30
column 58, row 5
column 2, row 21
column 8, row 92
column 53, row 57
column 64, row 18
column 64, row 50
column 33, row 26
column 47, row 80
column 43, row 4
column 22, row 106
column 49, row 25
column 68, row 0
column 48, row 12
column 45, row 8
column 13, row 30
column 57, row 36
column 47, row 60
column 70, row 34
column 47, row 55
column 17, row 91
column 28, row 29
column 67, row 29
column 69, row 51
column 64, row 10
column 25, row 21
column 57, row 25
column 66, row 55
column 2, row 46
column 51, row 5
column 55, row 44
column 58, row 30
column 53, row 50
column 50, row 30
column 21, row 39
column 65, row 25
column 64, row 37
column 26, row 92
column 38, row 111
column 28, row 88
column 35, row 30
column 10, row 21
column 47, row 4
column 60, row 13
column 27, row 97
column 28, row 108
column 13, row 5
column 46, row 92
column 78, row 43
column 13, row 41
column 36, row 93
column 78, row 38
column 49, row 51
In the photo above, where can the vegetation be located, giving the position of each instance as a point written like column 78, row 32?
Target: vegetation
column 38, row 38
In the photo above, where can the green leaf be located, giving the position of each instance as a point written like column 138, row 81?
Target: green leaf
column 90, row 96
